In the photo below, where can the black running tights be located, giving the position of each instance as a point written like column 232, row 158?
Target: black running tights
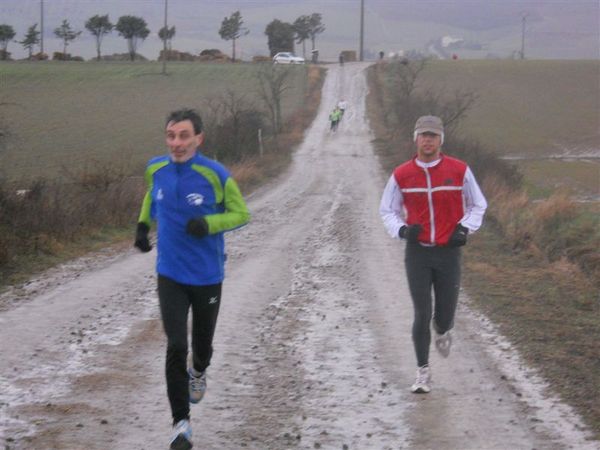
column 427, row 268
column 175, row 301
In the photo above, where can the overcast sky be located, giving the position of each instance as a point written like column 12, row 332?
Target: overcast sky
column 554, row 28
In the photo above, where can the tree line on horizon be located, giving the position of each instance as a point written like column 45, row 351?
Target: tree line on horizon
column 281, row 36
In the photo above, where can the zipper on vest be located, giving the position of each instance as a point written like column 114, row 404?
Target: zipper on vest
column 431, row 212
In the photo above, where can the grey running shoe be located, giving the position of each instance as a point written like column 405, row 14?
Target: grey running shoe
column 182, row 436
column 422, row 384
column 443, row 342
column 197, row 386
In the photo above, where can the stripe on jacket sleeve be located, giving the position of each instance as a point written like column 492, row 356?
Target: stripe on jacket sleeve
column 145, row 216
column 236, row 212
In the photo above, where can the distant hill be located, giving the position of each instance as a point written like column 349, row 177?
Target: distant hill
column 560, row 29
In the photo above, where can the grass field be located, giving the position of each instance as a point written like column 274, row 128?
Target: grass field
column 532, row 108
column 71, row 115
column 535, row 110
column 579, row 178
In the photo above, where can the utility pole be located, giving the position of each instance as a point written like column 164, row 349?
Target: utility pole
column 41, row 26
column 523, row 21
column 164, row 65
column 362, row 29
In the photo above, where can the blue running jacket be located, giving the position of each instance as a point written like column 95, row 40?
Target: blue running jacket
column 178, row 192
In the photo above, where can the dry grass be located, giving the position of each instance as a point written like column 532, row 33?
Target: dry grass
column 550, row 310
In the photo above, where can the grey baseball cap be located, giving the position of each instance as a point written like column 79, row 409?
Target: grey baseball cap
column 429, row 124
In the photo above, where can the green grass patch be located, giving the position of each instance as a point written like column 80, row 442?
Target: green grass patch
column 526, row 107
column 580, row 178
column 64, row 115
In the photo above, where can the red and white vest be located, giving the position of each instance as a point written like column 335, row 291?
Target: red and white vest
column 433, row 197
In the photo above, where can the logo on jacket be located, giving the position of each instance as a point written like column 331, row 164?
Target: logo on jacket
column 195, row 199
column 159, row 194
column 448, row 181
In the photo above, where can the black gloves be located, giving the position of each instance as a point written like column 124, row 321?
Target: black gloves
column 459, row 236
column 410, row 232
column 141, row 237
column 197, row 227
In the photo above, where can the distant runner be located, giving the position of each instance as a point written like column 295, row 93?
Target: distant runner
column 433, row 202
column 342, row 105
column 194, row 200
column 334, row 118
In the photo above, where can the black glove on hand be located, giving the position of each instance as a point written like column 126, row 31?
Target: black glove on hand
column 141, row 237
column 410, row 232
column 197, row 227
column 459, row 236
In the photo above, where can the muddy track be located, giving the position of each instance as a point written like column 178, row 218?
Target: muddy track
column 312, row 349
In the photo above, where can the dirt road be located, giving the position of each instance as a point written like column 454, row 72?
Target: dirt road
column 313, row 344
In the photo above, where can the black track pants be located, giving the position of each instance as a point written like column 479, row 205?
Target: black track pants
column 427, row 267
column 175, row 301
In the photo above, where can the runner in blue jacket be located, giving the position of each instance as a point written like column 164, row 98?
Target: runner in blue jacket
column 194, row 201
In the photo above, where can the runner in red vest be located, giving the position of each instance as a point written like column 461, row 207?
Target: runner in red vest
column 432, row 202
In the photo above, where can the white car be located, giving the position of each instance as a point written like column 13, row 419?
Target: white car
column 287, row 58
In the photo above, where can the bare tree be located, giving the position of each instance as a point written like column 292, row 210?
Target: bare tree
column 273, row 82
column 409, row 99
column 232, row 126
column 406, row 75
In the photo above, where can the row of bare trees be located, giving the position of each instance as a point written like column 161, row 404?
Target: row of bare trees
column 281, row 35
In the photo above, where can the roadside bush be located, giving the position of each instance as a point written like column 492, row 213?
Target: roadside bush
column 236, row 137
column 41, row 217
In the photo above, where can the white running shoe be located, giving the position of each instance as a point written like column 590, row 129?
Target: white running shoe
column 443, row 342
column 182, row 436
column 197, row 385
column 423, row 381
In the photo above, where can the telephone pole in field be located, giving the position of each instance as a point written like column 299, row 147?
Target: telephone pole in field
column 362, row 29
column 164, row 65
column 523, row 22
column 41, row 26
